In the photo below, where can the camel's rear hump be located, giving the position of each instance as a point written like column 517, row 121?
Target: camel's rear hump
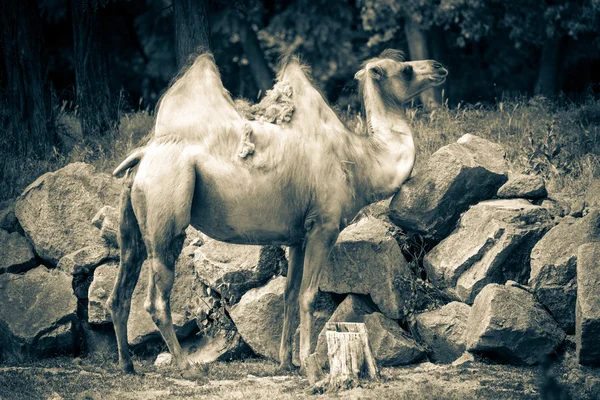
column 196, row 99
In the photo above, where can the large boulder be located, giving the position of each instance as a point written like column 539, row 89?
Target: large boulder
column 554, row 266
column 258, row 317
column 16, row 254
column 217, row 345
column 523, row 186
column 56, row 210
column 588, row 305
column 185, row 297
column 491, row 244
column 367, row 260
column 81, row 265
column 232, row 270
column 507, row 323
column 38, row 314
column 389, row 343
column 84, row 261
column 443, row 331
column 455, row 177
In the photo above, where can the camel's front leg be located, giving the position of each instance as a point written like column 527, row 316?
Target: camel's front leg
column 290, row 305
column 319, row 243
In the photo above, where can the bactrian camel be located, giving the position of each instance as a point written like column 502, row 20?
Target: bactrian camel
column 297, row 183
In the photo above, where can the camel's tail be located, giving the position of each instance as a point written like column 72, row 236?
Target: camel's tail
column 131, row 161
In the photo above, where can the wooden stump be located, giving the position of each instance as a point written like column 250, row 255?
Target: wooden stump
column 350, row 356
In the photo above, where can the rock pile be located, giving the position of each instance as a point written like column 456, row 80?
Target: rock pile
column 504, row 276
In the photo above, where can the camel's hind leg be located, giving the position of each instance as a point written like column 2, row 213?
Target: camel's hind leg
column 164, row 199
column 133, row 254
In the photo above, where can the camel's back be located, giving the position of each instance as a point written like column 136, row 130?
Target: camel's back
column 265, row 196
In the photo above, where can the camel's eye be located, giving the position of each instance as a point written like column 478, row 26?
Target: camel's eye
column 407, row 72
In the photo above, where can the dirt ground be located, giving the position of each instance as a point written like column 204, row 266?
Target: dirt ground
column 65, row 378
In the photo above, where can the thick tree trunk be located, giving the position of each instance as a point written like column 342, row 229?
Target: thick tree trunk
column 419, row 50
column 96, row 110
column 263, row 76
column 192, row 30
column 547, row 83
column 27, row 90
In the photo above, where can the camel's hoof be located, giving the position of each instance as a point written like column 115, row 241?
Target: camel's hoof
column 285, row 369
column 195, row 372
column 128, row 368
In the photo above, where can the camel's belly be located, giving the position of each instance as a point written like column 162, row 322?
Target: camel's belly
column 248, row 214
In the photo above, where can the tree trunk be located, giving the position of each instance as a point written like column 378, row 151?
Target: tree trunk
column 263, row 76
column 419, row 50
column 547, row 83
column 192, row 30
column 96, row 110
column 27, row 95
column 350, row 356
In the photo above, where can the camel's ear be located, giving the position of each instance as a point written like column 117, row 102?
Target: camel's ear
column 359, row 75
column 375, row 72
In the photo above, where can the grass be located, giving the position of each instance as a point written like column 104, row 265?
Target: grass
column 256, row 379
column 560, row 141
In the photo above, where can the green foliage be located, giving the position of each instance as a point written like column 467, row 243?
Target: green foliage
column 319, row 30
column 527, row 21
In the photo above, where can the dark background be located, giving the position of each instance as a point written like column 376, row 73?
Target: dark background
column 100, row 58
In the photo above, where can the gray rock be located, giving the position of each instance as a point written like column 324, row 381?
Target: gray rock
column 390, row 344
column 185, row 297
column 258, row 317
column 553, row 266
column 99, row 292
column 220, row 345
column 556, row 208
column 577, row 208
column 443, row 331
column 16, row 254
column 491, row 244
column 464, row 361
column 107, row 220
column 455, row 177
column 8, row 219
column 592, row 194
column 523, row 186
column 232, row 270
column 38, row 314
column 588, row 305
column 100, row 340
column 55, row 211
column 193, row 237
column 508, row 324
column 83, row 261
column 367, row 260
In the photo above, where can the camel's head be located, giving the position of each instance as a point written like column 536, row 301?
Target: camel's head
column 399, row 80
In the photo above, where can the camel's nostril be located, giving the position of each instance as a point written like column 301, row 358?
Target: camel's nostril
column 437, row 65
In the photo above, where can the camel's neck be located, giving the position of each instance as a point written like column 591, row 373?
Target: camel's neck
column 393, row 149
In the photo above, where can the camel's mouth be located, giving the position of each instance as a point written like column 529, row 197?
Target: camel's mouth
column 439, row 77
